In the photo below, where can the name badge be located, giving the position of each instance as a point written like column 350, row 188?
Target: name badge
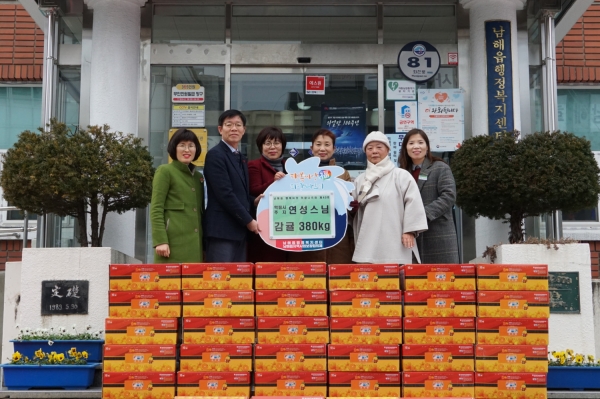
column 423, row 177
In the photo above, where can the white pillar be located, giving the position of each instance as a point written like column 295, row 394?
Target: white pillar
column 489, row 232
column 114, row 89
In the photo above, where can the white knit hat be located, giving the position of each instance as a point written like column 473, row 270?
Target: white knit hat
column 376, row 136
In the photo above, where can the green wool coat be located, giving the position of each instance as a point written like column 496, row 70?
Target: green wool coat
column 176, row 212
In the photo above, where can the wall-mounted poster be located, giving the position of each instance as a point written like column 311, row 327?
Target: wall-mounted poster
column 441, row 116
column 400, row 90
column 405, row 116
column 349, row 124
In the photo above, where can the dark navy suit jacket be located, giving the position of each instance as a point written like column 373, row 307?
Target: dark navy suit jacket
column 228, row 210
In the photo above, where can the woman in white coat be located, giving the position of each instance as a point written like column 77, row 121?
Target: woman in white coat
column 390, row 210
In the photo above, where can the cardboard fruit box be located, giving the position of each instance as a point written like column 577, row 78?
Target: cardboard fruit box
column 430, row 277
column 510, row 385
column 140, row 358
column 225, row 383
column 293, row 303
column 286, row 383
column 215, row 357
column 511, row 358
column 144, row 304
column 291, row 276
column 492, row 277
column 521, row 304
column 450, row 384
column 365, row 303
column 126, row 277
column 218, row 330
column 509, row 331
column 366, row 330
column 217, row 276
column 292, row 330
column 136, row 384
column 364, row 384
column 440, row 304
column 437, row 357
column 290, row 357
column 218, row 303
column 382, row 277
column 444, row 330
column 141, row 331
column 363, row 357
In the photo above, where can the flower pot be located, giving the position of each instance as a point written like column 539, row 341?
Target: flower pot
column 92, row 347
column 576, row 378
column 23, row 376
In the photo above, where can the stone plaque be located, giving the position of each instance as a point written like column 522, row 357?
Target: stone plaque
column 564, row 292
column 65, row 297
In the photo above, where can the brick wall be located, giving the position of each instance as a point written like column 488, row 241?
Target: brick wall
column 11, row 251
column 595, row 255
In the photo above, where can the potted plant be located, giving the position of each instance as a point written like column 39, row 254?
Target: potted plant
column 570, row 370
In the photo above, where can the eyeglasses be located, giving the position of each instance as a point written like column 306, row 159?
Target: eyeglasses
column 186, row 146
column 274, row 144
column 229, row 125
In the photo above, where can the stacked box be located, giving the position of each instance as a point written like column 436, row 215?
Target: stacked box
column 218, row 330
column 363, row 357
column 384, row 277
column 141, row 331
column 162, row 277
column 143, row 385
column 216, row 276
column 365, row 303
column 294, row 303
column 218, row 303
column 290, row 357
column 440, row 303
column 139, row 304
column 444, row 330
column 224, row 383
column 366, row 330
column 290, row 383
column 435, row 277
column 492, row 277
column 291, row 276
column 517, row 304
column 510, row 385
column 511, row 358
column 505, row 331
column 121, row 358
column 364, row 384
column 215, row 357
column 437, row 357
column 450, row 384
column 292, row 330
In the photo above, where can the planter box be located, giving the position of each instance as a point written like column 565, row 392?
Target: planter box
column 92, row 347
column 573, row 377
column 70, row 377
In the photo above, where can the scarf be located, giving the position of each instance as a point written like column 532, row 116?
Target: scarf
column 277, row 164
column 373, row 173
column 325, row 162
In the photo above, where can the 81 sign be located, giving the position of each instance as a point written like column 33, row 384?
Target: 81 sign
column 419, row 61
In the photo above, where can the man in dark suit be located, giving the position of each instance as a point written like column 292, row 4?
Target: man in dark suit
column 228, row 212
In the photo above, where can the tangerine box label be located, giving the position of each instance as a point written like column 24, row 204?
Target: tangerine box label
column 144, row 304
column 449, row 384
column 363, row 357
column 361, row 384
column 371, row 330
column 510, row 385
column 215, row 357
column 440, row 304
column 142, row 385
column 522, row 304
column 491, row 277
column 502, row 331
column 140, row 331
column 445, row 330
column 218, row 303
column 437, row 357
column 511, row 358
column 218, row 330
column 293, row 330
column 191, row 383
column 291, row 303
column 365, row 303
column 139, row 358
column 301, row 383
column 383, row 277
column 291, row 276
column 438, row 277
column 217, row 276
column 125, row 277
column 290, row 357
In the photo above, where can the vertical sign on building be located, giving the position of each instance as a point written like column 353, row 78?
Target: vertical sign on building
column 499, row 77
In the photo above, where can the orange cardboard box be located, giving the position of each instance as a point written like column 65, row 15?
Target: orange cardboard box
column 291, row 276
column 145, row 277
column 510, row 385
column 438, row 357
column 521, row 304
column 450, row 384
column 492, row 277
column 291, row 303
column 444, row 330
column 382, row 277
column 293, row 330
column 218, row 330
column 218, row 303
column 140, row 358
column 217, row 276
column 369, row 330
column 144, row 304
column 361, row 384
column 365, row 303
column 432, row 277
column 511, row 358
column 363, row 357
column 224, row 383
column 440, row 304
column 503, row 331
column 287, row 383
column 290, row 357
column 139, row 385
column 140, row 331
column 215, row 357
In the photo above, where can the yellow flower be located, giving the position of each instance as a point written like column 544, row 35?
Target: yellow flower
column 562, row 360
column 16, row 357
column 40, row 353
column 84, row 354
column 570, row 352
column 73, row 351
column 579, row 358
column 590, row 358
column 60, row 357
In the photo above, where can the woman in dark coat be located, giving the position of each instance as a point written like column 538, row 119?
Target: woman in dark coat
column 439, row 243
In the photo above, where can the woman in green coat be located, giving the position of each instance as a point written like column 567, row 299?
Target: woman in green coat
column 178, row 203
